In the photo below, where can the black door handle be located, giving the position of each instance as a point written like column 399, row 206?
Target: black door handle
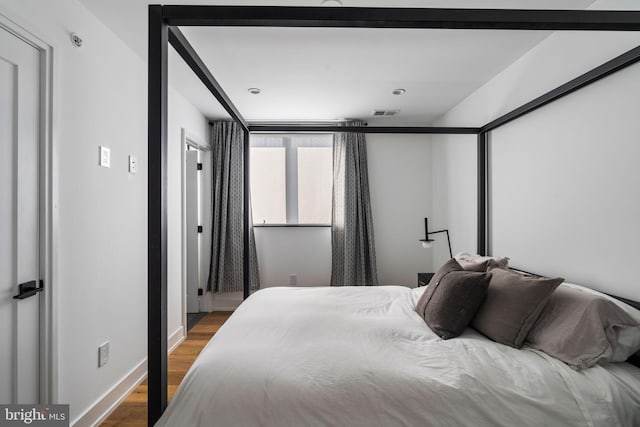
column 29, row 289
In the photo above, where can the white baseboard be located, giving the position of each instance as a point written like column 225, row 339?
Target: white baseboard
column 216, row 301
column 104, row 406
column 108, row 403
column 176, row 338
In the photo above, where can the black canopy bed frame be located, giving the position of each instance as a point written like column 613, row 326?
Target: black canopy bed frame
column 163, row 29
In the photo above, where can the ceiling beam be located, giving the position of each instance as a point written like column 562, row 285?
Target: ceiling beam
column 351, row 17
column 189, row 55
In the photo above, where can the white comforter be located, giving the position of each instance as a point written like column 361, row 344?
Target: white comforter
column 363, row 357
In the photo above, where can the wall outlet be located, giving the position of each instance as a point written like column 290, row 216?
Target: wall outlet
column 105, row 157
column 103, row 354
column 133, row 165
column 293, row 279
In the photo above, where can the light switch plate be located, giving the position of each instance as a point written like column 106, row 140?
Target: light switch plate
column 105, row 157
column 133, row 165
column 103, row 354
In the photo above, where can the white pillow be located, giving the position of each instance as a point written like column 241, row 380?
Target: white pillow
column 473, row 261
column 416, row 293
column 628, row 341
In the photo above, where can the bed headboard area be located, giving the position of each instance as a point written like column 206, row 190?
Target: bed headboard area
column 562, row 188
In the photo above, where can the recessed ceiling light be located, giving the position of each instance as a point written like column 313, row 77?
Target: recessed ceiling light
column 398, row 91
column 331, row 3
column 254, row 90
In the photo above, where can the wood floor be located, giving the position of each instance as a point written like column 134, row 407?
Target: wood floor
column 133, row 410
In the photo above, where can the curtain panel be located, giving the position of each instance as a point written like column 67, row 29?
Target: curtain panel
column 226, row 272
column 353, row 258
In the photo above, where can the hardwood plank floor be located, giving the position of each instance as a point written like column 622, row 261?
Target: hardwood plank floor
column 133, row 410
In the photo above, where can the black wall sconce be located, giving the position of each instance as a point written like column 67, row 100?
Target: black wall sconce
column 427, row 242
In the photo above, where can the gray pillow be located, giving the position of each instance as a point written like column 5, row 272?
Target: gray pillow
column 451, row 265
column 453, row 301
column 579, row 328
column 512, row 306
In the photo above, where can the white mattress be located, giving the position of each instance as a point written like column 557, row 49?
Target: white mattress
column 363, row 357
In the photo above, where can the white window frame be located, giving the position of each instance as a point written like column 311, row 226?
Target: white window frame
column 291, row 176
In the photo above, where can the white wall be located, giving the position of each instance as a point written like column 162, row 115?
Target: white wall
column 556, row 60
column 559, row 58
column 205, row 184
column 454, row 200
column 102, row 212
column 282, row 251
column 304, row 251
column 567, row 178
column 401, row 193
column 101, row 99
column 182, row 114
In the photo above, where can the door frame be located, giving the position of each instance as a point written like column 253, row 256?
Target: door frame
column 48, row 204
column 187, row 139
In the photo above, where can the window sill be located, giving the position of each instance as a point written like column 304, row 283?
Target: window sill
column 290, row 225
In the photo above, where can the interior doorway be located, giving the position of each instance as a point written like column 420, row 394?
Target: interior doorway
column 195, row 206
column 27, row 219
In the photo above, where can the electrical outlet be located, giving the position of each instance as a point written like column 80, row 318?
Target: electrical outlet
column 133, row 165
column 103, row 354
column 105, row 157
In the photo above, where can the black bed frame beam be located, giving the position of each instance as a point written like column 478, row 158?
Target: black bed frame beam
column 157, row 215
column 246, row 261
column 350, row 17
column 363, row 129
column 193, row 60
column 482, row 174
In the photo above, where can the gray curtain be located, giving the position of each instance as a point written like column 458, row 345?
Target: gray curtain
column 226, row 273
column 353, row 258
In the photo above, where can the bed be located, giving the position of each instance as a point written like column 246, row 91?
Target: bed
column 363, row 357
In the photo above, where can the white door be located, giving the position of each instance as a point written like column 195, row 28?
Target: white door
column 193, row 256
column 19, row 219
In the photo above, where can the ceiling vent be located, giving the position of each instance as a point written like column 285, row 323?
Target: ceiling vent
column 385, row 113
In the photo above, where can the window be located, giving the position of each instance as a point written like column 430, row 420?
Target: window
column 291, row 179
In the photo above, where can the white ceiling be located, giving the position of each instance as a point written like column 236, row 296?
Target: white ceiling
column 308, row 74
column 316, row 74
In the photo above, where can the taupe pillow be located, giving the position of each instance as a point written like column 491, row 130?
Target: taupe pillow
column 579, row 328
column 628, row 341
column 451, row 265
column 512, row 306
column 453, row 301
